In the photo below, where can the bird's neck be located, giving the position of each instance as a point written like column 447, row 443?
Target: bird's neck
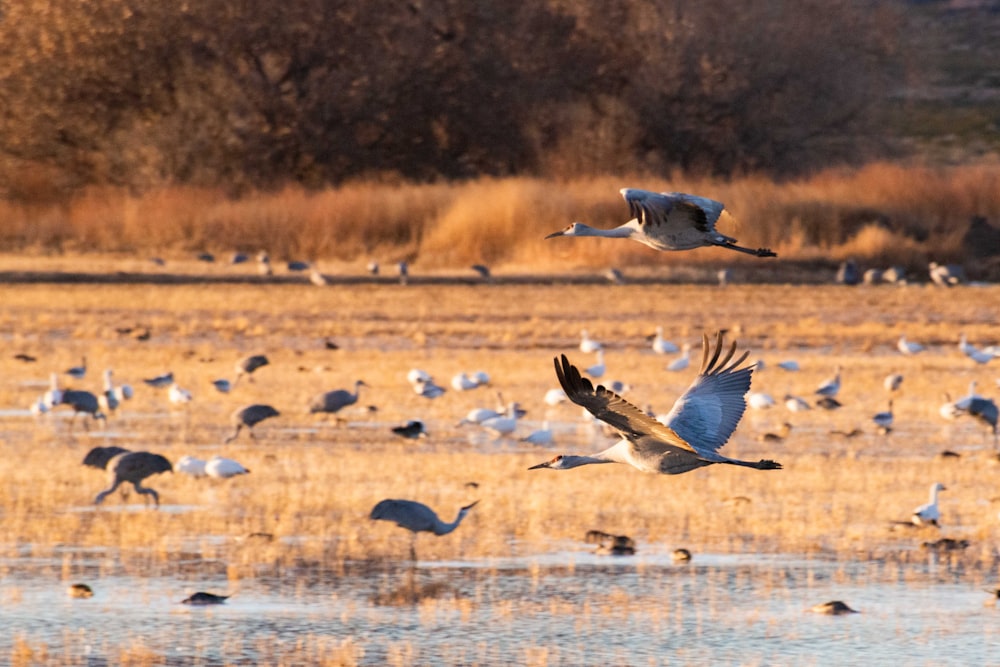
column 572, row 461
column 621, row 232
column 445, row 528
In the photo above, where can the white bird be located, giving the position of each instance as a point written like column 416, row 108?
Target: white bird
column 504, row 424
column 908, row 347
column 949, row 410
column 597, row 370
column 429, row 390
column 555, row 396
column 223, row 468
column 53, row 396
column 108, row 399
column 667, row 221
column 662, row 345
column 682, row 362
column 178, row 395
column 123, row 392
column 831, row 385
column 416, row 375
column 759, row 400
column 462, row 382
column 973, row 352
column 929, row 514
column 542, row 436
column 789, row 365
column 417, row 518
column 884, row 419
column 481, row 377
column 946, row 275
column 796, row 403
column 317, row 278
column 964, row 402
column 78, row 372
column 587, row 344
column 698, row 425
column 190, row 466
column 893, row 382
column 478, row 416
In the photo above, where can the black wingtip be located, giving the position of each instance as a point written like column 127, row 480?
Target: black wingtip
column 767, row 464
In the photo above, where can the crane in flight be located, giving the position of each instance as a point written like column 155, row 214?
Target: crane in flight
column 668, row 221
column 688, row 437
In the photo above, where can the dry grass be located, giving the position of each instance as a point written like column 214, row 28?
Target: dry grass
column 313, row 483
column 921, row 212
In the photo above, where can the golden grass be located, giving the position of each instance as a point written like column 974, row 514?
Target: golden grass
column 502, row 221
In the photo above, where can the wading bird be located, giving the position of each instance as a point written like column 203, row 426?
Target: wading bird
column 134, row 467
column 833, row 608
column 689, row 436
column 250, row 416
column 247, row 366
column 928, row 513
column 332, row 402
column 78, row 372
column 907, row 347
column 668, row 221
column 85, row 402
column 831, row 385
column 417, row 518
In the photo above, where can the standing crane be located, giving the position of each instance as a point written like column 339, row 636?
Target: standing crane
column 332, row 402
column 668, row 221
column 247, row 365
column 134, row 467
column 417, row 518
column 250, row 416
column 688, row 437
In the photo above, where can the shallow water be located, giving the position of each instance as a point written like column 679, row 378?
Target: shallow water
column 568, row 606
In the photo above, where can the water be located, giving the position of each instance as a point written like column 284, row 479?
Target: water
column 566, row 607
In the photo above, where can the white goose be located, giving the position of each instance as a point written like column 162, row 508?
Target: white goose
column 667, row 221
column 661, row 345
column 929, row 514
column 681, row 362
column 689, row 436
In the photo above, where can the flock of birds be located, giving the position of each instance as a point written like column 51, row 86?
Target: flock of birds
column 688, row 437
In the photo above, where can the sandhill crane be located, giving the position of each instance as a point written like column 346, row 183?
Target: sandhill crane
column 946, row 275
column 134, row 467
column 78, row 372
column 223, row 468
column 928, row 514
column 331, row 402
column 160, row 381
column 667, row 221
column 202, row 598
column 250, row 416
column 662, row 345
column 884, row 419
column 587, row 344
column 964, row 402
column 689, row 436
column 908, row 347
column 417, row 518
column 984, row 410
column 190, row 465
column 831, row 385
column 483, row 271
column 98, row 457
column 85, row 402
column 610, row 545
column 682, row 362
column 247, row 366
column 833, row 608
column 412, row 430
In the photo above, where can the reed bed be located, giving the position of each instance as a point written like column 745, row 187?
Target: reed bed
column 883, row 212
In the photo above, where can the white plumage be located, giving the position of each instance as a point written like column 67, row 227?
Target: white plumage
column 928, row 514
column 223, row 468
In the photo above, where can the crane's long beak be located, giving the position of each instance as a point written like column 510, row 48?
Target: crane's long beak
column 546, row 464
column 561, row 232
column 469, row 507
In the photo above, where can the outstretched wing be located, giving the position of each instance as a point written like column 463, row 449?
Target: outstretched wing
column 708, row 412
column 632, row 423
column 672, row 210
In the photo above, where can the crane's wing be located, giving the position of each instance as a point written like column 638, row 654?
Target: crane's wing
column 672, row 210
column 405, row 513
column 633, row 424
column 708, row 412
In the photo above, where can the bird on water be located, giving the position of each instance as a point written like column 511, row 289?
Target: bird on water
column 688, row 437
column 417, row 518
column 668, row 221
